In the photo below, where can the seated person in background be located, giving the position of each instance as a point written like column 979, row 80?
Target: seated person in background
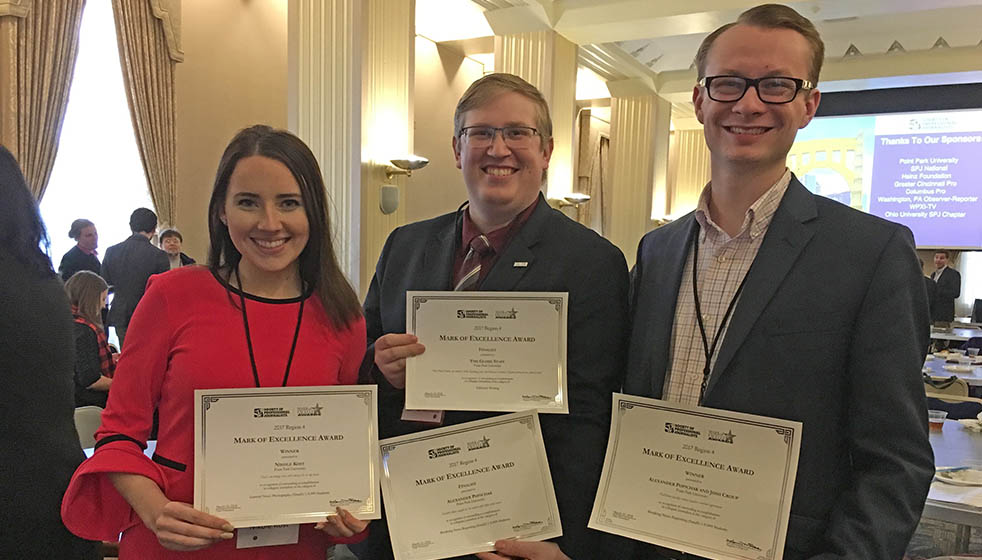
column 94, row 363
column 170, row 242
column 83, row 255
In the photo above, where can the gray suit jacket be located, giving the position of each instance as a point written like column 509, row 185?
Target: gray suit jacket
column 828, row 332
column 126, row 268
column 562, row 256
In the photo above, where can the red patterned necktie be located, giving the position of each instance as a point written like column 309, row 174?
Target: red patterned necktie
column 471, row 267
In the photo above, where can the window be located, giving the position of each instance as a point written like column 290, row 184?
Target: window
column 97, row 174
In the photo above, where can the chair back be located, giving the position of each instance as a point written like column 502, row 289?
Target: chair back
column 974, row 342
column 977, row 311
column 946, row 386
column 87, row 421
column 958, row 408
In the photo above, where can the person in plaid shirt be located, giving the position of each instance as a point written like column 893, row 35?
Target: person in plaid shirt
column 94, row 361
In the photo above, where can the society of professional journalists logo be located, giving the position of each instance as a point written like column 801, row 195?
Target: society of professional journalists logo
column 506, row 314
column 271, row 412
column 722, row 437
column 444, row 451
column 682, row 430
column 479, row 444
column 472, row 314
column 310, row 410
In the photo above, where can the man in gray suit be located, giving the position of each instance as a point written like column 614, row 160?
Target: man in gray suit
column 770, row 300
column 502, row 145
column 128, row 265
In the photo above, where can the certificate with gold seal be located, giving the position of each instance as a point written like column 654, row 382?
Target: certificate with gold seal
column 286, row 455
column 456, row 490
column 709, row 482
column 491, row 351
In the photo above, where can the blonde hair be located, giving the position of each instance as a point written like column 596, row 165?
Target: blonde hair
column 84, row 289
column 484, row 89
column 771, row 16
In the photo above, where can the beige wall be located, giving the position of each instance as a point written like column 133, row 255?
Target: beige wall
column 234, row 74
column 442, row 75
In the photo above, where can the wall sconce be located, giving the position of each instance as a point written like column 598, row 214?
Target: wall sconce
column 388, row 200
column 405, row 166
column 572, row 200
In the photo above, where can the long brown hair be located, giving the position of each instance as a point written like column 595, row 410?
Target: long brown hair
column 319, row 267
column 84, row 289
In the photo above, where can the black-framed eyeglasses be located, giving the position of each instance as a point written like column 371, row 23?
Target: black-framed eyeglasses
column 483, row 136
column 771, row 89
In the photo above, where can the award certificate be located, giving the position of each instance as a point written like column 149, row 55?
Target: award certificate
column 286, row 455
column 709, row 482
column 456, row 490
column 493, row 351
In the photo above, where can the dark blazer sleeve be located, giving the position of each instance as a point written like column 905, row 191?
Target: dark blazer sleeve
column 950, row 285
column 87, row 369
column 576, row 444
column 369, row 373
column 107, row 266
column 161, row 262
column 892, row 460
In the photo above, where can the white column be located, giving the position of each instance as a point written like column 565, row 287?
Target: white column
column 639, row 135
column 387, row 118
column 324, row 109
column 547, row 60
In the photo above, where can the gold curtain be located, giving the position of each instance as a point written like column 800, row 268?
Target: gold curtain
column 148, row 74
column 592, row 173
column 688, row 170
column 38, row 48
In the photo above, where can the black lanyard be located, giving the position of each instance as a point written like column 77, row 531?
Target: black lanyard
column 245, row 322
column 709, row 350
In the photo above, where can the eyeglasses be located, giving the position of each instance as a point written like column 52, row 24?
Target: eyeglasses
column 772, row 89
column 483, row 136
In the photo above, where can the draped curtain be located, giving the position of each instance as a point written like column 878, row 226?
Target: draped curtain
column 592, row 172
column 688, row 170
column 38, row 48
column 148, row 36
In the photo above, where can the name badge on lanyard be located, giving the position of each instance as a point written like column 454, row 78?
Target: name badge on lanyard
column 271, row 535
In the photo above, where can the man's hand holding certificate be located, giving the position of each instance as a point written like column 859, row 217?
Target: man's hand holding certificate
column 490, row 351
column 709, row 482
column 458, row 489
column 286, row 455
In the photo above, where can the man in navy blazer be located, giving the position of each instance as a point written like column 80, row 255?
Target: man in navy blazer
column 502, row 145
column 128, row 265
column 827, row 327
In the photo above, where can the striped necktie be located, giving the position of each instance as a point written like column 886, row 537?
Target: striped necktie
column 471, row 267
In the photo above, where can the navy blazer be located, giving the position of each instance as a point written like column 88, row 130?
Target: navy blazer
column 949, row 287
column 126, row 267
column 561, row 256
column 828, row 332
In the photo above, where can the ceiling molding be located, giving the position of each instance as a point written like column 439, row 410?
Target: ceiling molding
column 467, row 47
column 611, row 63
column 520, row 19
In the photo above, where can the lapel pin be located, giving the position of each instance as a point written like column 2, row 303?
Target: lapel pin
column 521, row 264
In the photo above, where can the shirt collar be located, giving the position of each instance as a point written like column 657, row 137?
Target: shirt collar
column 497, row 238
column 758, row 216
